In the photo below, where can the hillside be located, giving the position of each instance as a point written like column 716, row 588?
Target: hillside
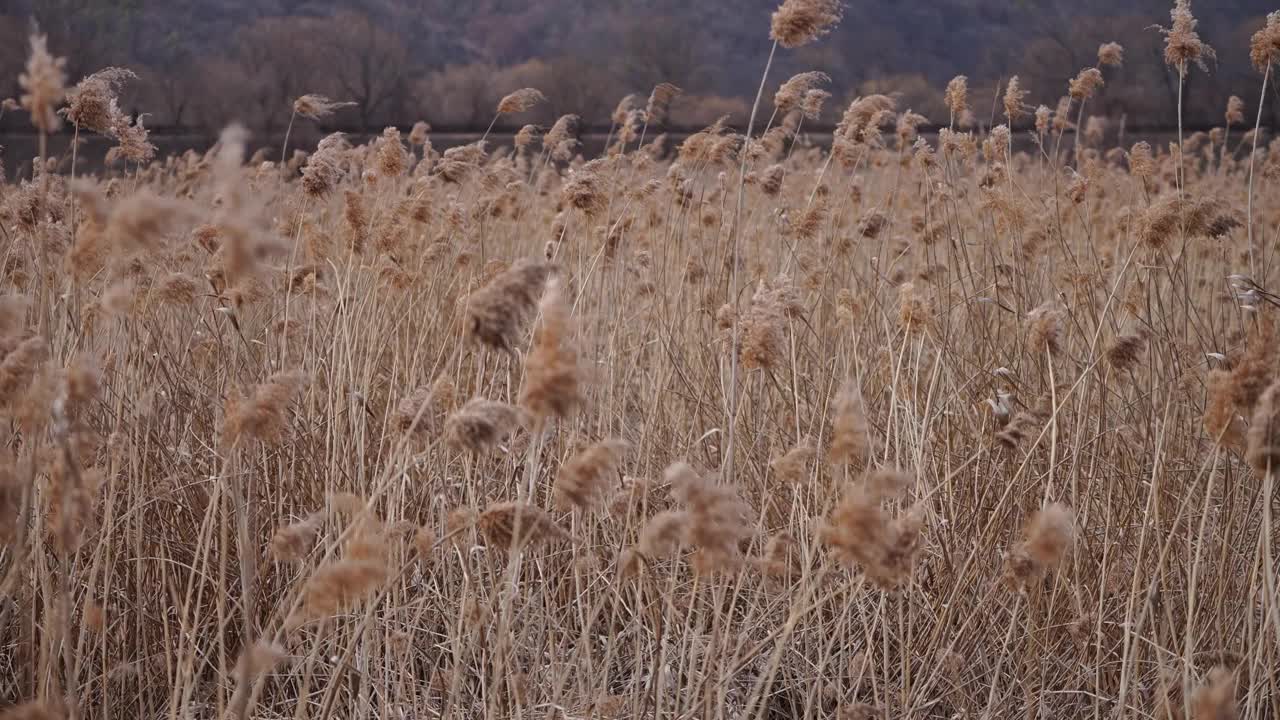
column 204, row 61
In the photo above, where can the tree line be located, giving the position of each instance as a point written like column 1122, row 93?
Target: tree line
column 202, row 63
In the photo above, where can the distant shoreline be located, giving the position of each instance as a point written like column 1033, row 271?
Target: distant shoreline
column 21, row 147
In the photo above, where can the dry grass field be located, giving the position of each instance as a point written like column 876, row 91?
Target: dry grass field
column 980, row 426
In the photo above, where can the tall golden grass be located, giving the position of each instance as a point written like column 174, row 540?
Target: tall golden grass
column 764, row 426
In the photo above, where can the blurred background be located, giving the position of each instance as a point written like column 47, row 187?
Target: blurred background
column 204, row 63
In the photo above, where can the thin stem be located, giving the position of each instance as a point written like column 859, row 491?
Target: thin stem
column 733, row 270
column 46, row 320
column 75, row 286
column 1182, row 76
column 1253, row 157
column 1222, row 151
column 1079, row 129
column 284, row 151
column 490, row 128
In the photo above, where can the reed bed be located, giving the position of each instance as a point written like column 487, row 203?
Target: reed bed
column 980, row 425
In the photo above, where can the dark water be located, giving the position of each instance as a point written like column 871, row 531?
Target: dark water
column 19, row 150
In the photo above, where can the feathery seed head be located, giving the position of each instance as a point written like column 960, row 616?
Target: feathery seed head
column 792, row 92
column 663, row 534
column 418, row 134
column 92, row 103
column 132, row 138
column 717, row 521
column 1043, row 116
column 914, row 310
column 1264, row 46
column 811, row 104
column 1142, row 163
column 520, row 101
column 1046, row 539
column 1111, row 55
column 799, row 22
column 1264, row 431
column 512, row 525
column 43, row 85
column 318, row 107
column 1023, row 425
column 422, row 410
column 1125, row 350
column 1216, row 698
column 659, row 102
column 19, row 364
column 1235, row 111
column 907, row 128
column 780, row 558
column 625, row 107
column 357, row 218
column 552, row 386
column 1062, row 115
column 34, row 710
column 860, row 532
column 763, row 330
column 861, row 122
column 1044, row 329
column 1182, row 43
column 480, row 425
column 583, row 191
column 587, row 479
column 562, row 139
column 1086, row 83
column 771, row 183
column 323, row 171
column 291, row 543
column 391, row 155
column 263, row 416
column 497, row 313
column 957, row 96
column 343, row 583
column 792, row 467
column 1014, row 107
column 527, row 136
column 851, row 442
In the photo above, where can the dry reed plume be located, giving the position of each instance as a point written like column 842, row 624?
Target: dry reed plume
column 400, row 427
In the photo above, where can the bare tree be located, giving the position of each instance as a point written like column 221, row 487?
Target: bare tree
column 275, row 56
column 656, row 50
column 169, row 92
column 460, row 94
column 365, row 64
column 13, row 39
column 577, row 85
